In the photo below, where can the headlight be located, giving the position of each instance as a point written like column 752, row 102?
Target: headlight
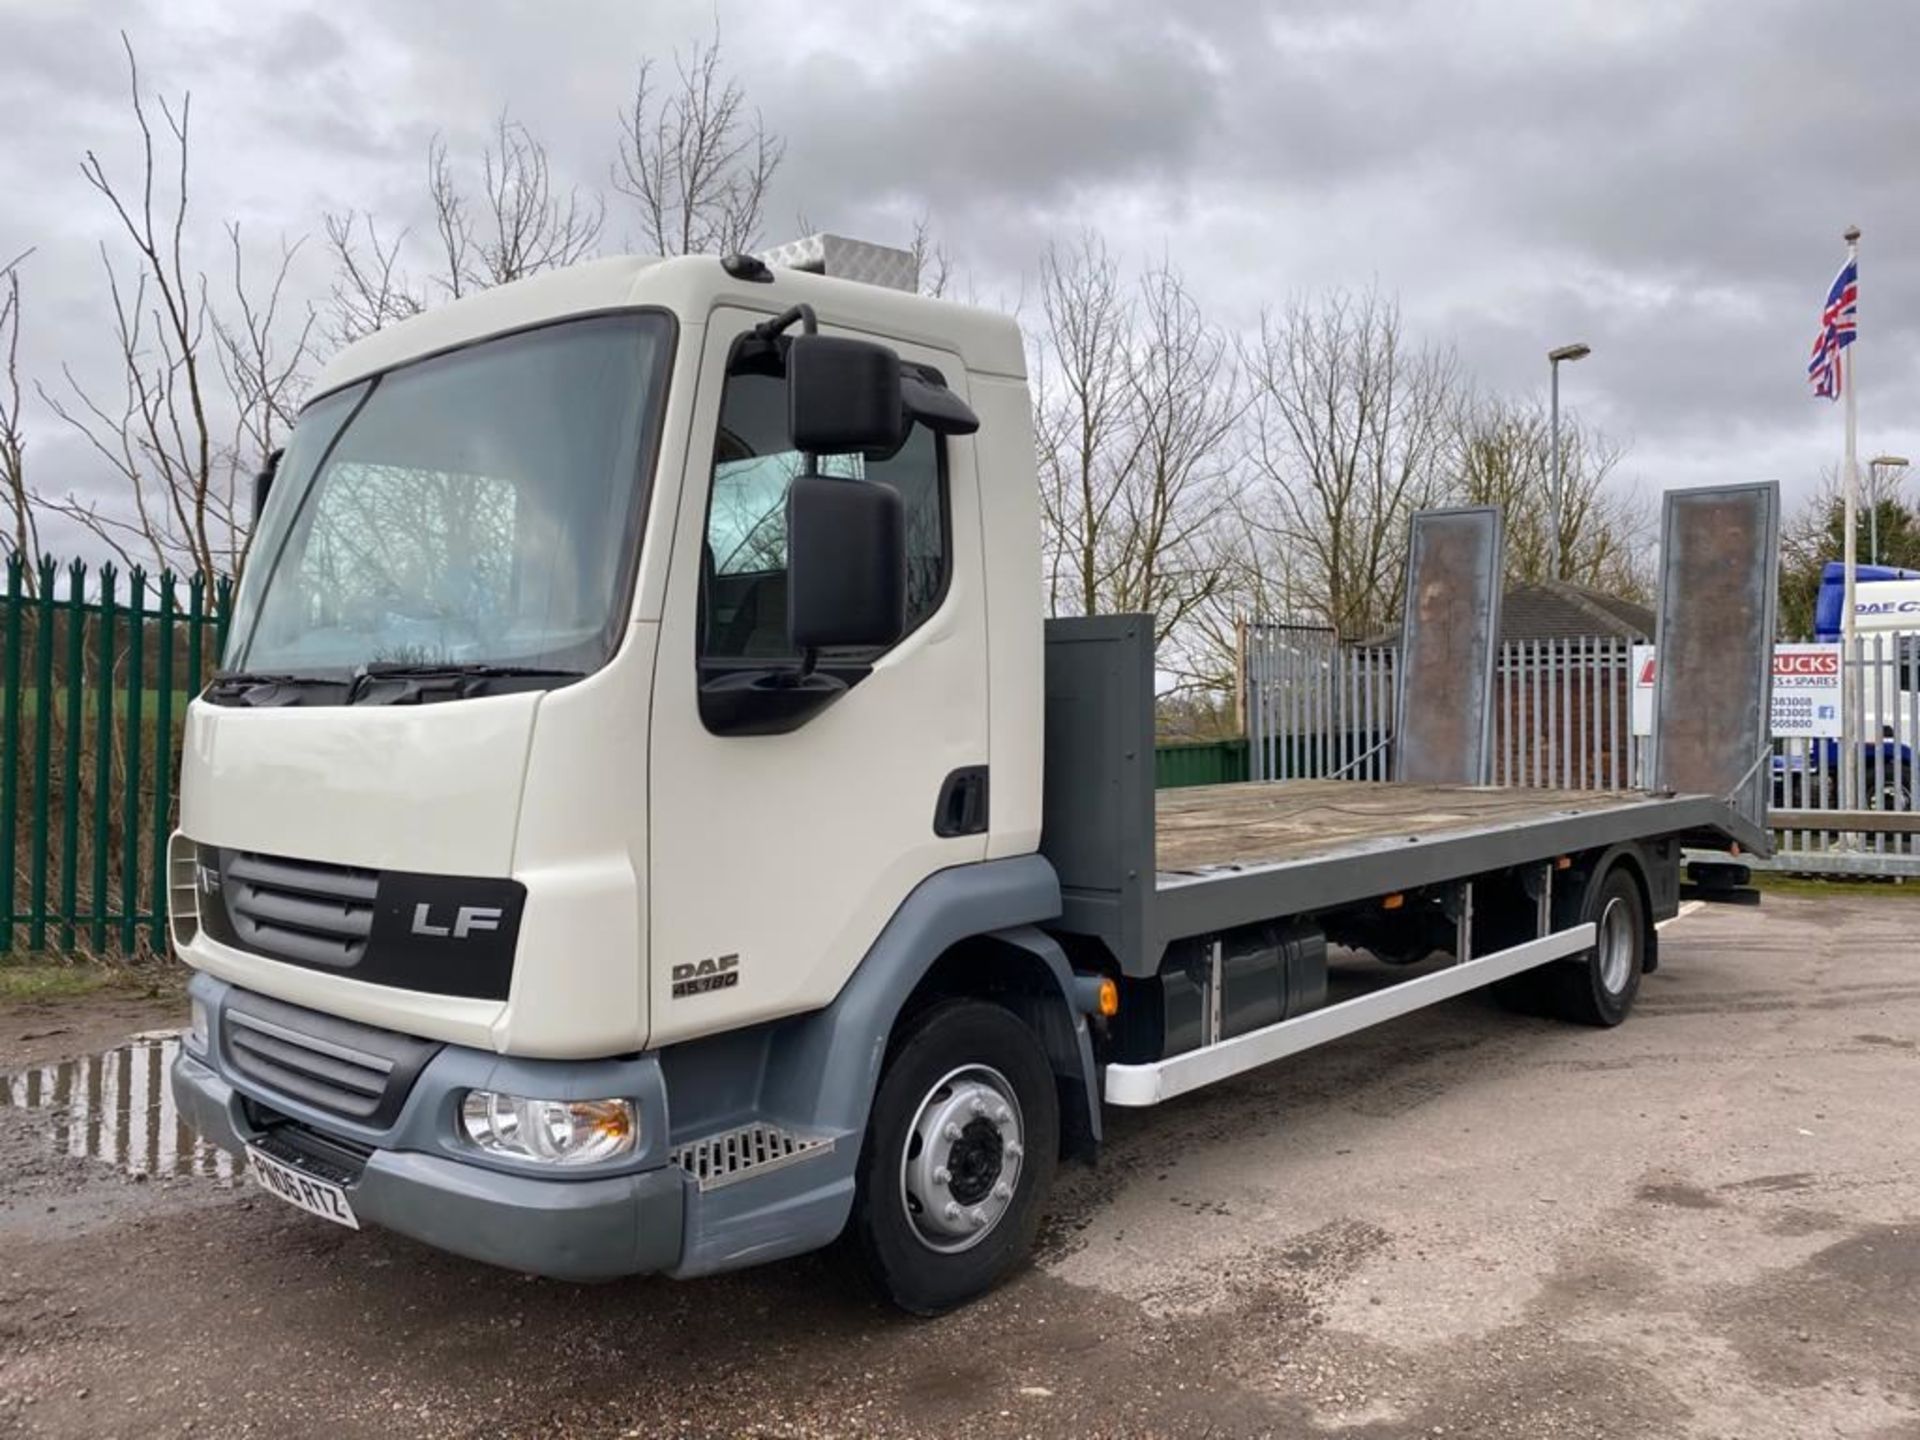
column 197, row 1030
column 555, row 1132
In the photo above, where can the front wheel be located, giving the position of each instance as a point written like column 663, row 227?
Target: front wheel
column 959, row 1157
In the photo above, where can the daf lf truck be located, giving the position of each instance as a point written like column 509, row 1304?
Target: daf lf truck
column 644, row 823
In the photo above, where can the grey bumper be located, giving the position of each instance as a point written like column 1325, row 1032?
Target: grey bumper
column 597, row 1229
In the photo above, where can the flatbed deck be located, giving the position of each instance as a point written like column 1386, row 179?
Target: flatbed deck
column 1211, row 827
column 1140, row 869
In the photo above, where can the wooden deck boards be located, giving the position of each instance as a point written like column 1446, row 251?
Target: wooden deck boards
column 1261, row 823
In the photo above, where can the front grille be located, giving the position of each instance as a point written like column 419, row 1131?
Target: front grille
column 301, row 910
column 350, row 1070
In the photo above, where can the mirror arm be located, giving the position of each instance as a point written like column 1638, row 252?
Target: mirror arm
column 803, row 313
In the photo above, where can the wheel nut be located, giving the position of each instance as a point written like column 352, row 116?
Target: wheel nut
column 952, row 1131
column 1014, row 1150
column 942, row 1176
column 977, row 1105
column 1003, row 1191
column 952, row 1211
column 1002, row 1115
column 977, row 1216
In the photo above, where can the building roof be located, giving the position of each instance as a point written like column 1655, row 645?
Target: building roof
column 1555, row 609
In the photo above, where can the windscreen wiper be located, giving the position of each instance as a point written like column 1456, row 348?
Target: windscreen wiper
column 418, row 670
column 253, row 687
column 412, row 682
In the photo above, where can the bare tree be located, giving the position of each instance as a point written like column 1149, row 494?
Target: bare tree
column 516, row 224
column 23, row 535
column 1184, row 402
column 1084, row 428
column 1349, row 435
column 371, row 290
column 263, row 370
column 1136, row 400
column 186, row 374
column 694, row 160
column 1504, row 457
column 932, row 265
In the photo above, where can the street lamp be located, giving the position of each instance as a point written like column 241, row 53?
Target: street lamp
column 1575, row 351
column 1892, row 462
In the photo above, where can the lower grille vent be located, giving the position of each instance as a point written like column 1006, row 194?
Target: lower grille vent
column 748, row 1151
column 353, row 1071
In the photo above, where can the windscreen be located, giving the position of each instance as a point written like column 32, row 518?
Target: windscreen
column 478, row 508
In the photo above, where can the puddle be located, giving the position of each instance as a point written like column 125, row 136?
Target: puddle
column 117, row 1107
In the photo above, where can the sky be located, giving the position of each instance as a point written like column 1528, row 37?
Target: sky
column 1666, row 182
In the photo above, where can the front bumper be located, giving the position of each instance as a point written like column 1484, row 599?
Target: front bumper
column 414, row 1181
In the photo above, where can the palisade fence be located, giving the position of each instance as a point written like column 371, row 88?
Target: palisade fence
column 1563, row 720
column 96, row 668
column 1317, row 709
column 1859, row 819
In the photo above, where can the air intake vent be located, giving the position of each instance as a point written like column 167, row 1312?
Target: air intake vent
column 301, row 910
column 743, row 1153
column 183, row 890
column 353, row 1071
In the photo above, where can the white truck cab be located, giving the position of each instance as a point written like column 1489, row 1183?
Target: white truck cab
column 614, row 840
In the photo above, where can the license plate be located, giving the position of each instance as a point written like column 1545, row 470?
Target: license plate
column 297, row 1188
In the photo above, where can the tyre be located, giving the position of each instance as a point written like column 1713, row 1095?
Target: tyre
column 1596, row 988
column 1599, row 987
column 1894, row 792
column 958, row 1159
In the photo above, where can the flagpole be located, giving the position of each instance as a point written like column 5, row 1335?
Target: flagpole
column 1850, row 480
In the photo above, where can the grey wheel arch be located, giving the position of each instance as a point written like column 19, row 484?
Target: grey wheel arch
column 826, row 1065
column 1656, row 901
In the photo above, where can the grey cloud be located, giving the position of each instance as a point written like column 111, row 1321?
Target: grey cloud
column 1665, row 181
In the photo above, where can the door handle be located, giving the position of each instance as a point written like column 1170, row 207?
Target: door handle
column 962, row 806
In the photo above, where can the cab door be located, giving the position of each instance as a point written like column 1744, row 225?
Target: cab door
column 775, row 860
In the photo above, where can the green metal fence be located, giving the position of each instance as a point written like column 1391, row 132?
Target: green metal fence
column 95, row 672
column 1208, row 762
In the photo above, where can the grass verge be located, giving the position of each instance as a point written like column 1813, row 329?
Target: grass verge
column 38, row 977
column 1834, row 887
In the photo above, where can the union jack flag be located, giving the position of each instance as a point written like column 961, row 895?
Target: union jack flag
column 1836, row 332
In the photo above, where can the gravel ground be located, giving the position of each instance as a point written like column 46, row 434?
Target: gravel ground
column 1706, row 1223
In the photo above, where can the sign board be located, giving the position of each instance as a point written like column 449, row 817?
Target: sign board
column 1642, row 706
column 1806, row 691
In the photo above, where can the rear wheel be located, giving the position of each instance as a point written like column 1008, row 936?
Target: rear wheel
column 1599, row 987
column 958, row 1159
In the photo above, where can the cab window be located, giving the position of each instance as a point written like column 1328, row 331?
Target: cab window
column 744, row 604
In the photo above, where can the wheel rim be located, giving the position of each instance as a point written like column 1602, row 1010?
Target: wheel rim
column 1616, row 945
column 960, row 1166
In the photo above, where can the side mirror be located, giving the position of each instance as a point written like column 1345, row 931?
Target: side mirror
column 843, row 396
column 846, row 563
column 263, row 482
